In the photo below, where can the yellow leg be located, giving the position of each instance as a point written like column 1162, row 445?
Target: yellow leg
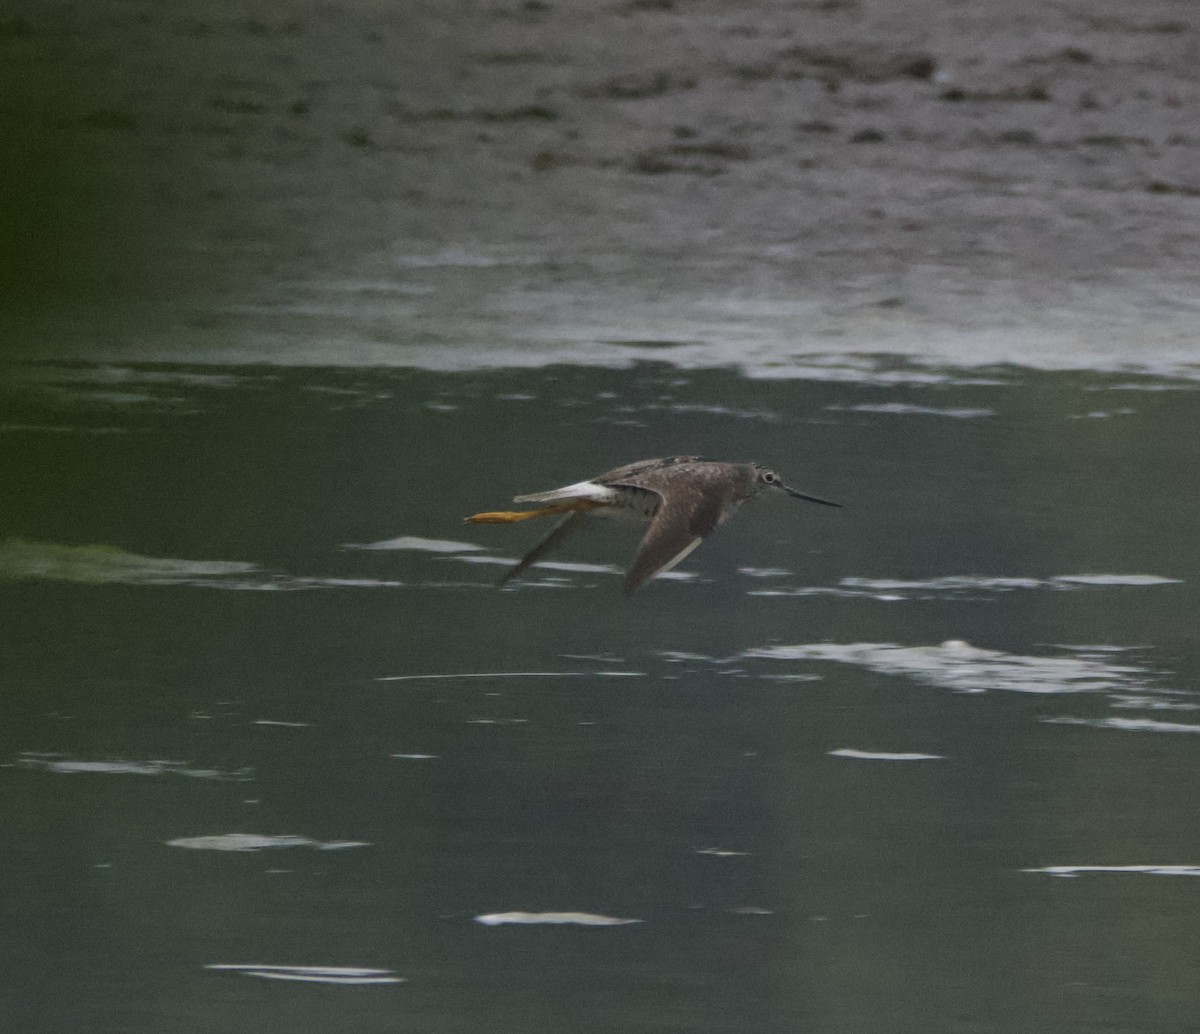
column 511, row 516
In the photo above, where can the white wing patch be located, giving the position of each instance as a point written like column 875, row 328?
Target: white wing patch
column 679, row 557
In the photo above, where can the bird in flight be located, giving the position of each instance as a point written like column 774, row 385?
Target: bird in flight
column 682, row 498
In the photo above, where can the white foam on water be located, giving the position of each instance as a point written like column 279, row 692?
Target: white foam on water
column 869, row 755
column 311, row 974
column 1146, row 870
column 964, row 668
column 416, row 757
column 286, row 725
column 551, row 919
column 720, row 852
column 258, row 842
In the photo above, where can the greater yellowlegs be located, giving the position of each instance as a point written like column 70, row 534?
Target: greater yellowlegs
column 684, row 498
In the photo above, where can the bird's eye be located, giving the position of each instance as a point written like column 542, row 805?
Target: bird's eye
column 769, row 478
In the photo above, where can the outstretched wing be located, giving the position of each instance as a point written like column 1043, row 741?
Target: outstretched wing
column 563, row 530
column 680, row 525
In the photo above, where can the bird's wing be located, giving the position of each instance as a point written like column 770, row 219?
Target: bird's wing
column 563, row 530
column 634, row 473
column 685, row 516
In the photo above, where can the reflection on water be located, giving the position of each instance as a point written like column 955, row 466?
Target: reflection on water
column 968, row 669
column 552, row 919
column 890, row 589
column 311, row 974
column 22, row 559
column 257, row 842
column 1149, row 870
column 871, row 755
column 1126, row 724
column 108, row 564
column 752, row 773
column 418, row 543
column 73, row 766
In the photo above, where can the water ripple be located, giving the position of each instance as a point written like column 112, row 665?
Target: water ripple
column 1126, row 724
column 99, row 564
column 892, row 589
column 552, row 919
column 959, row 666
column 311, row 974
column 904, row 409
column 415, row 542
column 122, row 766
column 868, row 755
column 1146, row 870
column 259, row 842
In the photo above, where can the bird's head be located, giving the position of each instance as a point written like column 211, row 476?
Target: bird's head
column 765, row 479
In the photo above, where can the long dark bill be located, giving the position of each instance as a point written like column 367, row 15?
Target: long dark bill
column 810, row 498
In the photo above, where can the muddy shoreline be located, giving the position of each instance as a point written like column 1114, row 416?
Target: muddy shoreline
column 512, row 182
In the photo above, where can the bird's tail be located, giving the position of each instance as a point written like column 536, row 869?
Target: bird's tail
column 581, row 491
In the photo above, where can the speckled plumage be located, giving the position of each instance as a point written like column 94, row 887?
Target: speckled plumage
column 684, row 498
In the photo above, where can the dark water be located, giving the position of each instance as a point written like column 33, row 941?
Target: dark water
column 196, row 659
